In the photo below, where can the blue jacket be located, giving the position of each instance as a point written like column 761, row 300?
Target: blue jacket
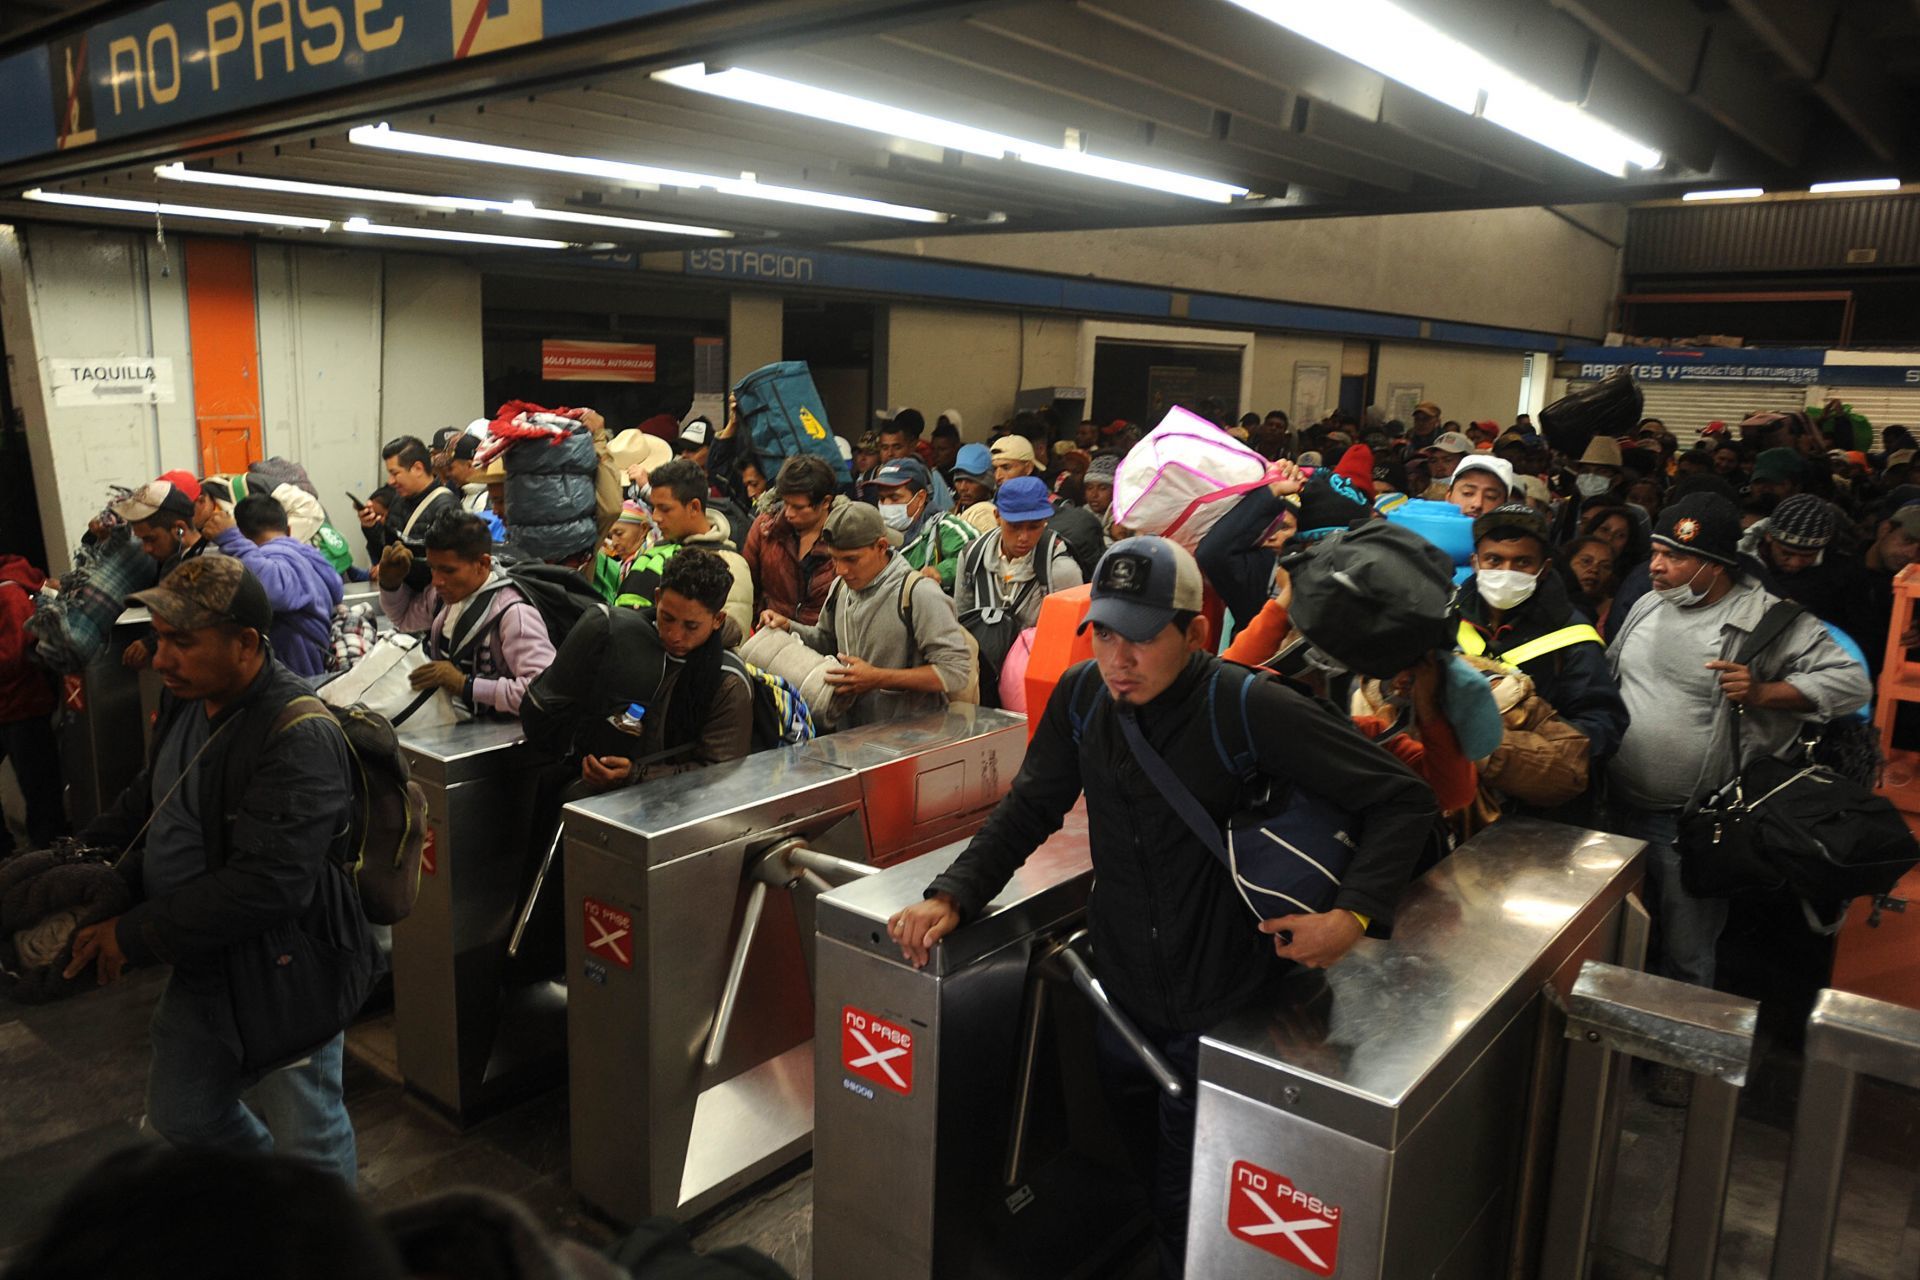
column 303, row 589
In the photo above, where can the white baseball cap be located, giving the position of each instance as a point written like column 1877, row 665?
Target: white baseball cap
column 1500, row 468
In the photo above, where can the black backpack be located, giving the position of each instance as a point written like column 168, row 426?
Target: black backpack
column 995, row 626
column 561, row 595
column 388, row 826
column 1376, row 598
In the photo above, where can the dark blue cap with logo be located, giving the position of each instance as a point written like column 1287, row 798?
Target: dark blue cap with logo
column 1140, row 584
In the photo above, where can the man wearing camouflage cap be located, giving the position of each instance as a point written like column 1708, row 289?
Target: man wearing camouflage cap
column 230, row 843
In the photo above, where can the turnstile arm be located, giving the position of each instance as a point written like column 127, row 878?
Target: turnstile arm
column 736, row 971
column 1082, row 975
column 785, row 864
column 533, row 895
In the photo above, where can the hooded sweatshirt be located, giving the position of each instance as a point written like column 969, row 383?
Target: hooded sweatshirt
column 303, row 588
column 26, row 690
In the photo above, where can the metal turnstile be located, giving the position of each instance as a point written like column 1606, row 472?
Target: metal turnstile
column 689, row 917
column 103, row 745
column 922, row 781
column 1401, row 1125
column 960, row 1130
column 473, row 1033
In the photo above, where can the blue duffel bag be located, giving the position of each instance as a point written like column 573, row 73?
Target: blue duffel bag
column 784, row 416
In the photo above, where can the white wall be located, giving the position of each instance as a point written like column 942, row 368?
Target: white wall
column 1466, row 383
column 1521, row 268
column 355, row 347
column 1274, row 358
column 67, row 292
column 971, row 359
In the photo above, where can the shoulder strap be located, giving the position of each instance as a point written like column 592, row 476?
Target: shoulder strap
column 1552, row 642
column 1470, row 641
column 433, row 495
column 1080, row 710
column 1772, row 625
column 1177, row 794
column 1241, row 762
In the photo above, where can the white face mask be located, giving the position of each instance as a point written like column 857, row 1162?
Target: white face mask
column 1504, row 588
column 1684, row 595
column 895, row 516
column 1591, row 486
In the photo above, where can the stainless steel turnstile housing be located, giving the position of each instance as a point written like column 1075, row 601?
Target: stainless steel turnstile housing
column 1400, row 1128
column 925, row 1076
column 471, row 1037
column 661, row 888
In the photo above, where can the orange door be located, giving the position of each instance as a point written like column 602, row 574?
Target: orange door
column 226, row 354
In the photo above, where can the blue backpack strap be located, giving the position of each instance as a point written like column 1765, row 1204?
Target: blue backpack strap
column 1242, row 761
column 1081, row 703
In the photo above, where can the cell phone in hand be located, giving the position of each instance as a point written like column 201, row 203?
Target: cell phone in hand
column 359, row 504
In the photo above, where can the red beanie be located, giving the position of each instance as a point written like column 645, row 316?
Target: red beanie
column 1356, row 465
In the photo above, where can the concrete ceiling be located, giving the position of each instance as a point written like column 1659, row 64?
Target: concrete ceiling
column 1770, row 93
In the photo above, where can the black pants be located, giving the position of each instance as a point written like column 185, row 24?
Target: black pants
column 1158, row 1129
column 31, row 746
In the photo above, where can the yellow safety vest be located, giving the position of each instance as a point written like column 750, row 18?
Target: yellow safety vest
column 1475, row 645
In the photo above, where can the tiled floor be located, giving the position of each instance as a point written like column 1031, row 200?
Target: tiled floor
column 71, row 1078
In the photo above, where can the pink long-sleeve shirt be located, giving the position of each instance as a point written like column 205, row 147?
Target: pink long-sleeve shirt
column 516, row 651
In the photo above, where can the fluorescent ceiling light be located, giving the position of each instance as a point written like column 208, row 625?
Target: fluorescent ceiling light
column 1863, row 184
column 467, row 237
column 175, row 210
column 1404, row 48
column 636, row 175
column 1729, row 193
column 512, row 208
column 776, row 93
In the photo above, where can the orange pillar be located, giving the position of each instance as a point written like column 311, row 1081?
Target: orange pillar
column 226, row 354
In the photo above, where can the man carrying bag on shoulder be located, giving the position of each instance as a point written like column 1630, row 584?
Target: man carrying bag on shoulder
column 232, row 839
column 1175, row 945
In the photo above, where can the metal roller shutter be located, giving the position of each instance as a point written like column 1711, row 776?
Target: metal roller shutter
column 1688, row 409
column 1883, row 406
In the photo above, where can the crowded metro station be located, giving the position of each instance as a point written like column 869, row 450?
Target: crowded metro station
column 925, row 639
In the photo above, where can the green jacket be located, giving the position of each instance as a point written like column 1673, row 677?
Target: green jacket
column 942, row 537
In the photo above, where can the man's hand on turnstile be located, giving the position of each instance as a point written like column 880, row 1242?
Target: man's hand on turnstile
column 1317, row 941
column 98, row 943
column 921, row 925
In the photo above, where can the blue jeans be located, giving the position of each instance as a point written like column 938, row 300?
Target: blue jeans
column 198, row 1095
column 1686, row 929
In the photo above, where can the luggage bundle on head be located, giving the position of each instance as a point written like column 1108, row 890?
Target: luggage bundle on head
column 551, row 468
column 1182, row 478
column 70, row 627
column 1376, row 598
column 46, row 897
column 387, row 828
column 784, row 416
column 1610, row 407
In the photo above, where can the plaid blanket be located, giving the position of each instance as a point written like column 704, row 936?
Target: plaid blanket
column 70, row 628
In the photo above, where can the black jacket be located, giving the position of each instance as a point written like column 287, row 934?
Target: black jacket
column 382, row 535
column 1174, row 943
column 1237, row 567
column 1081, row 530
column 1575, row 680
column 274, row 811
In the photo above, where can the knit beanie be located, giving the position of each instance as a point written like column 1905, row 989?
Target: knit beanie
column 1356, row 464
column 1802, row 523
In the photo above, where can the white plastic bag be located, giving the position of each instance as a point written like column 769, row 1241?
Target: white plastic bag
column 1180, row 479
column 379, row 682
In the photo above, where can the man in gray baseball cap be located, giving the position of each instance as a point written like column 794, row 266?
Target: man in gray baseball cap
column 900, row 647
column 1206, row 955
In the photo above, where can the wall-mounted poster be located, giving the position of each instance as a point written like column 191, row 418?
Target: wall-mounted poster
column 1401, row 397
column 1310, row 382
